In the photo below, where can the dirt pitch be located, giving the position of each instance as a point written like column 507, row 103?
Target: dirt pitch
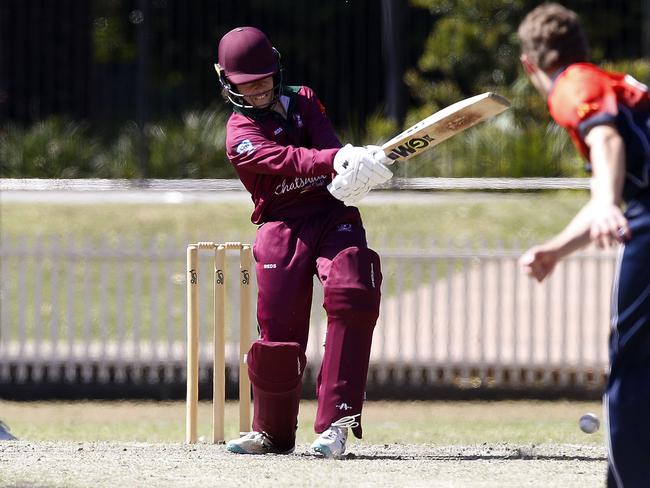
column 407, row 444
column 115, row 464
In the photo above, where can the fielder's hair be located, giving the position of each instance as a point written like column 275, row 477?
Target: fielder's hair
column 552, row 37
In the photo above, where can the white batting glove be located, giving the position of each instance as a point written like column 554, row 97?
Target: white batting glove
column 359, row 166
column 346, row 190
column 355, row 194
column 356, row 197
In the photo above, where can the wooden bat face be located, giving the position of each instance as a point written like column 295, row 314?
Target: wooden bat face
column 442, row 125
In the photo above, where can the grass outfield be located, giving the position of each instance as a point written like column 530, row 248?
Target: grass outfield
column 441, row 423
column 506, row 444
column 395, row 220
column 475, row 217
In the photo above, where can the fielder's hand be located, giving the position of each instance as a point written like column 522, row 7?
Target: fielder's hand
column 538, row 262
column 609, row 226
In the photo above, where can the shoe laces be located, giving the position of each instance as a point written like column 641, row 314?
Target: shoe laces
column 347, row 421
column 339, row 429
column 260, row 437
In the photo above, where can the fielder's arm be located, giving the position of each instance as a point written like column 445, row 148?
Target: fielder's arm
column 607, row 155
column 539, row 261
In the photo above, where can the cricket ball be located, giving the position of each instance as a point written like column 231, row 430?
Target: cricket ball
column 589, row 423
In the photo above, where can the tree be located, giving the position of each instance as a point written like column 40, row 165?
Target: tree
column 471, row 48
column 472, row 45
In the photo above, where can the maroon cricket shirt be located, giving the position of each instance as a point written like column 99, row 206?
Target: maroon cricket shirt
column 285, row 164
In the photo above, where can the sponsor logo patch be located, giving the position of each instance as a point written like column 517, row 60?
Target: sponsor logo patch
column 344, row 228
column 586, row 109
column 343, row 406
column 245, row 146
column 270, row 266
column 301, row 184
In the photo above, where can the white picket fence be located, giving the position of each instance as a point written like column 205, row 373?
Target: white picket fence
column 86, row 311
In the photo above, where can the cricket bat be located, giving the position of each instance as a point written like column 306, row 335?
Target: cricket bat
column 442, row 125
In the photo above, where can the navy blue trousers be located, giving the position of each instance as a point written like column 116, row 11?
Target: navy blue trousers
column 627, row 398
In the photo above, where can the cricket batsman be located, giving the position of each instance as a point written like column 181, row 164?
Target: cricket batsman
column 608, row 117
column 285, row 152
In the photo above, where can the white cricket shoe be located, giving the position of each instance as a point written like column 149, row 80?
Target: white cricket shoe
column 331, row 443
column 254, row 443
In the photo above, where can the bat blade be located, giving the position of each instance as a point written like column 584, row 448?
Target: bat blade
column 442, row 125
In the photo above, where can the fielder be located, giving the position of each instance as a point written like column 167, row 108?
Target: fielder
column 284, row 150
column 608, row 117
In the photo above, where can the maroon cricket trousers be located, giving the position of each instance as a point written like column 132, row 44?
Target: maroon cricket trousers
column 331, row 245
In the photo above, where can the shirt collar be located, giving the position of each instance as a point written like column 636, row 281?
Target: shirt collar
column 557, row 73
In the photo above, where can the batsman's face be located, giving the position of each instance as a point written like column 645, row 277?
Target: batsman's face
column 258, row 93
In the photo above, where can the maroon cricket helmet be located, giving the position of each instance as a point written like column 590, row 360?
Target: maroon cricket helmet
column 246, row 54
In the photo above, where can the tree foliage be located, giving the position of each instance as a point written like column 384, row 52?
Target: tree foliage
column 472, row 47
column 472, row 44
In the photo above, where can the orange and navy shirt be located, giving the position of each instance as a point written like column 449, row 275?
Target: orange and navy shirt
column 584, row 96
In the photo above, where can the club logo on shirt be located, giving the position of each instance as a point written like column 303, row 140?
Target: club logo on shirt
column 245, row 146
column 298, row 120
column 586, row 109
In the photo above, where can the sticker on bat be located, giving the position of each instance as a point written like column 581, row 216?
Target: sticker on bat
column 410, row 147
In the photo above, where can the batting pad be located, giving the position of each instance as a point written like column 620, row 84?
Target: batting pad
column 352, row 296
column 275, row 370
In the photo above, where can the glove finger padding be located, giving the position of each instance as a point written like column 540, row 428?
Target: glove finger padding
column 357, row 173
column 375, row 172
column 359, row 165
column 368, row 171
column 355, row 198
column 356, row 194
column 342, row 189
column 378, row 153
column 349, row 157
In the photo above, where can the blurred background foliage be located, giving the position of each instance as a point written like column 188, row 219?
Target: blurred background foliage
column 192, row 147
column 449, row 50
